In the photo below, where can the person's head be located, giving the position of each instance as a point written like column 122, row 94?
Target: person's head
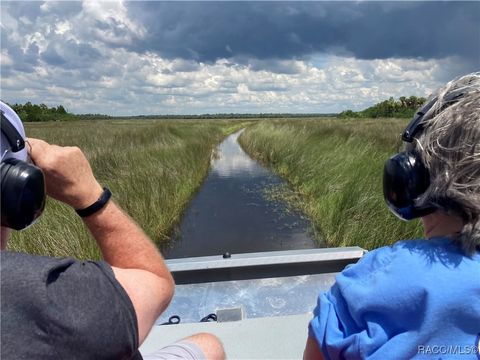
column 448, row 145
column 22, row 184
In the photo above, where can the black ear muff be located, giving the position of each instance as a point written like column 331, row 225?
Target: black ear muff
column 405, row 178
column 23, row 193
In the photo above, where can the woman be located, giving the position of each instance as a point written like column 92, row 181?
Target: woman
column 418, row 298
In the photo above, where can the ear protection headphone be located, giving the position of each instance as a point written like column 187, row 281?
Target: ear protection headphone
column 22, row 184
column 405, row 177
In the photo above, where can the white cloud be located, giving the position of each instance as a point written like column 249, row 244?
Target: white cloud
column 5, row 59
column 62, row 27
column 75, row 62
column 121, row 30
column 221, row 87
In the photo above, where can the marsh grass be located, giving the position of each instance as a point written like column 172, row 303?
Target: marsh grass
column 336, row 167
column 153, row 168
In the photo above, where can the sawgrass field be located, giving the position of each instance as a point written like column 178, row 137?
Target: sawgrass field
column 336, row 168
column 154, row 167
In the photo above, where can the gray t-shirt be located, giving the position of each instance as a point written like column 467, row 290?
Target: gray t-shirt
column 54, row 308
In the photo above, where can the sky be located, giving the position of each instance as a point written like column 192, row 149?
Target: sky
column 135, row 57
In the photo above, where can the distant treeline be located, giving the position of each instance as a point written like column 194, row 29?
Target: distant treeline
column 207, row 116
column 233, row 116
column 404, row 107
column 35, row 113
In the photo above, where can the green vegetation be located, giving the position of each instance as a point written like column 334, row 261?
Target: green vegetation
column 152, row 167
column 237, row 116
column 40, row 113
column 34, row 113
column 336, row 166
column 404, row 107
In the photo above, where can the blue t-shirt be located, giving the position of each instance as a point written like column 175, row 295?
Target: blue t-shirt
column 414, row 299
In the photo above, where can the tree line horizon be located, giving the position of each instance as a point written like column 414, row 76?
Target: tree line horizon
column 404, row 107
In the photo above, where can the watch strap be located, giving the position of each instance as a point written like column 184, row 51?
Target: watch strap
column 97, row 205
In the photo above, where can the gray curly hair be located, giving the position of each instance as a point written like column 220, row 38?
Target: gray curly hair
column 450, row 149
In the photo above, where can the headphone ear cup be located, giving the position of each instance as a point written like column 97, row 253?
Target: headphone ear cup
column 23, row 193
column 7, row 191
column 405, row 179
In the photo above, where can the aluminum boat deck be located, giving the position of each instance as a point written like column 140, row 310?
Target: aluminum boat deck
column 263, row 301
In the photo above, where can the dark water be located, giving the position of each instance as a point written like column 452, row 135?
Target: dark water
column 231, row 212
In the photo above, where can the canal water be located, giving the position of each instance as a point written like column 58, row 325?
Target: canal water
column 233, row 213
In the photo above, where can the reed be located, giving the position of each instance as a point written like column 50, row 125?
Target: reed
column 152, row 167
column 336, row 167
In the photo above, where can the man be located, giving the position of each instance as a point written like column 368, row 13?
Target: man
column 418, row 298
column 70, row 309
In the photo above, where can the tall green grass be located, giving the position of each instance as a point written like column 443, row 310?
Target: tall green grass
column 336, row 166
column 153, row 168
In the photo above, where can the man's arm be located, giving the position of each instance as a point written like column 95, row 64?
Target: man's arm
column 136, row 262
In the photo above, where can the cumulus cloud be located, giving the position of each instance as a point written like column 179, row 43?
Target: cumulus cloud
column 129, row 58
column 285, row 30
column 129, row 82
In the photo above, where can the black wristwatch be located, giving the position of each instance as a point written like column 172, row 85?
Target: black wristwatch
column 97, row 205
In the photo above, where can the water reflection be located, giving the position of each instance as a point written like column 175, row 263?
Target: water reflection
column 232, row 161
column 231, row 213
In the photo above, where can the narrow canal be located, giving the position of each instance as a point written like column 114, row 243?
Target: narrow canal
column 232, row 212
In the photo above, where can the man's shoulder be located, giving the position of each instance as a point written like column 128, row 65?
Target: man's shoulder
column 20, row 259
column 24, row 262
column 45, row 300
column 18, row 268
column 32, row 275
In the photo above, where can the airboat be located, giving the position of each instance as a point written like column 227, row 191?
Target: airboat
column 258, row 304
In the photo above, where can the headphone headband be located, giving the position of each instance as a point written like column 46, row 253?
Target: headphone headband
column 418, row 122
column 15, row 140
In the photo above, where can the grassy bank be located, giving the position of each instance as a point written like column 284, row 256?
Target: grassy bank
column 336, row 166
column 152, row 167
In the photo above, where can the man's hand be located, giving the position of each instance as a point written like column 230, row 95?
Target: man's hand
column 68, row 175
